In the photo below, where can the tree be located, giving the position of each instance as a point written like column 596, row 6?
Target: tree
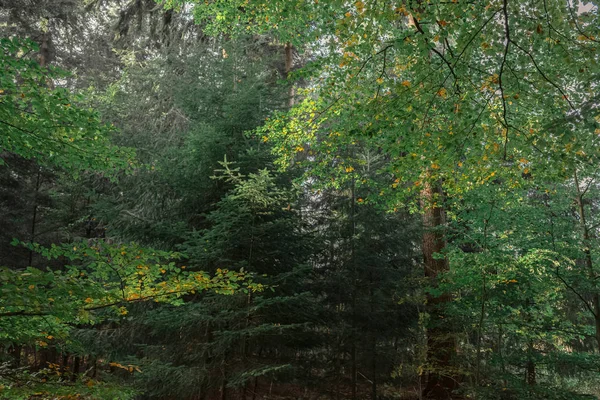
column 452, row 84
column 46, row 122
column 43, row 302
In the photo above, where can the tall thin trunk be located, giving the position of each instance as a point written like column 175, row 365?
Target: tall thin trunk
column 354, row 290
column 245, row 341
column 44, row 54
column 76, row 363
column 224, row 389
column 15, row 352
column 483, row 299
column 255, row 388
column 64, row 363
column 441, row 345
column 373, row 339
column 588, row 257
column 480, row 329
column 34, row 212
column 289, row 52
column 353, row 367
column 531, row 375
column 43, row 59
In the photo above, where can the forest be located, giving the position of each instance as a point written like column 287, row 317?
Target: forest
column 300, row 199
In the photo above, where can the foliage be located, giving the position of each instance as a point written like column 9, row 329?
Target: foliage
column 98, row 282
column 341, row 125
column 458, row 88
column 48, row 123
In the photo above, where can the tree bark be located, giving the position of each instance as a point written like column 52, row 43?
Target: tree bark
column 373, row 341
column 289, row 52
column 75, row 372
column 588, row 257
column 15, row 352
column 354, row 291
column 441, row 345
column 34, row 213
column 531, row 374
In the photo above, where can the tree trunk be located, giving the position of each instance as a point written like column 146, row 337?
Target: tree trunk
column 224, row 388
column 373, row 338
column 76, row 363
column 531, row 375
column 441, row 345
column 588, row 257
column 354, row 291
column 289, row 52
column 255, row 388
column 38, row 182
column 15, row 352
column 374, row 368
